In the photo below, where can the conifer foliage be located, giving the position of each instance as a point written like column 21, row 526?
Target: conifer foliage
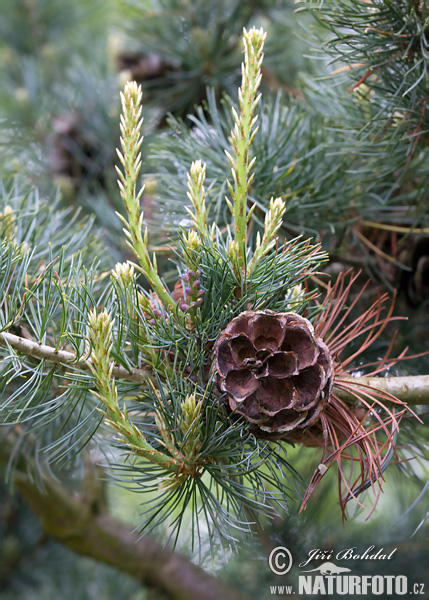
column 194, row 385
column 228, row 306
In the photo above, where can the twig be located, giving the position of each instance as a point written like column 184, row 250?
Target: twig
column 413, row 389
column 63, row 357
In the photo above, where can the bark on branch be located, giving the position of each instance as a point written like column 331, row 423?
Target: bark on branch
column 413, row 389
column 63, row 357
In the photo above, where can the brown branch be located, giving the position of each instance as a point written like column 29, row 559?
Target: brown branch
column 413, row 389
column 80, row 521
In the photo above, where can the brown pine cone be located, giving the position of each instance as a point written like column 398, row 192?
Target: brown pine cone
column 274, row 372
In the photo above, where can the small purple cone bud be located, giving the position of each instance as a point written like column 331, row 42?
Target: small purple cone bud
column 156, row 313
column 191, row 274
column 185, row 277
column 199, row 273
column 193, row 378
column 152, row 321
column 184, row 307
column 188, row 291
column 194, row 304
column 196, row 283
column 199, row 301
column 200, row 293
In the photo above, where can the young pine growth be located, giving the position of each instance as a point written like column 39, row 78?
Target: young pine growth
column 242, row 136
column 273, row 222
column 196, row 195
column 130, row 158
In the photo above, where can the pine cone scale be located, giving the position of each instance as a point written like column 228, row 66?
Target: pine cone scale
column 310, row 384
column 275, row 395
column 283, row 364
column 241, row 349
column 284, row 421
column 300, row 339
column 250, row 408
column 240, row 383
column 224, row 359
column 266, row 332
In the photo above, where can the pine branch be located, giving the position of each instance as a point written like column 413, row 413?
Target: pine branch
column 63, row 357
column 83, row 524
column 413, row 389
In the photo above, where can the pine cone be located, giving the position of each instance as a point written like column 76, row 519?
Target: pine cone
column 274, row 372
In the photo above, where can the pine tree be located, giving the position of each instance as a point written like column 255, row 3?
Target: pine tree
column 200, row 385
